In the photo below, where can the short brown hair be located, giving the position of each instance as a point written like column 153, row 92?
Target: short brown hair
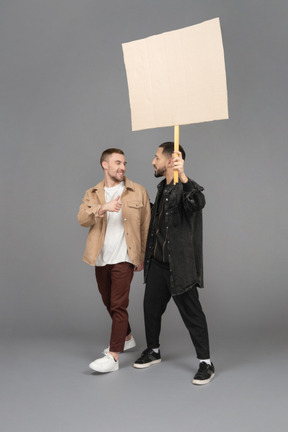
column 109, row 152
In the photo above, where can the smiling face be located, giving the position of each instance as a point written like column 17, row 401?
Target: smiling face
column 114, row 167
column 161, row 162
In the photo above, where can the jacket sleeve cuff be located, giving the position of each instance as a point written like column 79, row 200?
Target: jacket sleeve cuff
column 188, row 186
column 94, row 209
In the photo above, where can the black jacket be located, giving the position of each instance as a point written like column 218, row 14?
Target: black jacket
column 183, row 206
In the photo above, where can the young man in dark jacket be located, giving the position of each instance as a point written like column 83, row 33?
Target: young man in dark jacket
column 173, row 260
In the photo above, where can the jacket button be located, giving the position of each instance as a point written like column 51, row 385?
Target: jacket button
column 125, row 220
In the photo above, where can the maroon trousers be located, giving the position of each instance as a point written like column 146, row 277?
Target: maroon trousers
column 114, row 286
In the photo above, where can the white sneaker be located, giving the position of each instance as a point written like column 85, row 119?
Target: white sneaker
column 105, row 364
column 131, row 343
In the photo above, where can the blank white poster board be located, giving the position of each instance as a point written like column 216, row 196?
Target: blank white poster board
column 177, row 77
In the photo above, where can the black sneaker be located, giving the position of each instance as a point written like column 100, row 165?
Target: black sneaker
column 148, row 358
column 204, row 374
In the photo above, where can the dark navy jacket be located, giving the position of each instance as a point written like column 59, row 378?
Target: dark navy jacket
column 183, row 206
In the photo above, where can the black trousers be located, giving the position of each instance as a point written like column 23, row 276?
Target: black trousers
column 157, row 296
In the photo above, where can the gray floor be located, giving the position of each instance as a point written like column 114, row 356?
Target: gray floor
column 47, row 386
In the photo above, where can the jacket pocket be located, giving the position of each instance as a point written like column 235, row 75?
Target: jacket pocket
column 134, row 208
column 175, row 217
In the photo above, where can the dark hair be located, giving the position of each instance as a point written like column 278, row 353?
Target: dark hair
column 168, row 148
column 109, row 152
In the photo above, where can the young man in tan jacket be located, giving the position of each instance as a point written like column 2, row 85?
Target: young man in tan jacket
column 117, row 211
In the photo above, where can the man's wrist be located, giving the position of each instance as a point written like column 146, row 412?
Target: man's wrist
column 101, row 211
column 183, row 178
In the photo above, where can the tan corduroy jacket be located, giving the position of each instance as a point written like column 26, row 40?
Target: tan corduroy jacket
column 135, row 214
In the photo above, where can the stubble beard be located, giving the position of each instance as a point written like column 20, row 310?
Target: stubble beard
column 116, row 179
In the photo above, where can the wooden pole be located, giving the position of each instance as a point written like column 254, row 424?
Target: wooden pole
column 176, row 148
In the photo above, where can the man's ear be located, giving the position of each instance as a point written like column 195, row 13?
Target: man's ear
column 104, row 165
column 169, row 162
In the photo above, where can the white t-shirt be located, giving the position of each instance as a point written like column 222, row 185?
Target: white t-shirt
column 114, row 249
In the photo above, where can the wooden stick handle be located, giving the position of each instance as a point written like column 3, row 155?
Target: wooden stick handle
column 176, row 148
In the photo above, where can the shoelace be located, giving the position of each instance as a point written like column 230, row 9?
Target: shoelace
column 203, row 367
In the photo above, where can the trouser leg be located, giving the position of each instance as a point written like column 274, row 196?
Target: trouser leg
column 194, row 319
column 156, row 298
column 114, row 286
column 104, row 285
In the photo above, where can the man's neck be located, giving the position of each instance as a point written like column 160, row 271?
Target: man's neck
column 108, row 182
column 169, row 176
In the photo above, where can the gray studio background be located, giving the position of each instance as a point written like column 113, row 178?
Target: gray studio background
column 64, row 99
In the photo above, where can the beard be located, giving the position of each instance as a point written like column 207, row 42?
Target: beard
column 159, row 172
column 116, row 179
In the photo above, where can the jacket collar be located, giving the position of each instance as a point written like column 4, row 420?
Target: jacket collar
column 161, row 186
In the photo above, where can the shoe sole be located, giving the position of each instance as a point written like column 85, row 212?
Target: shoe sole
column 146, row 365
column 101, row 371
column 203, row 382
